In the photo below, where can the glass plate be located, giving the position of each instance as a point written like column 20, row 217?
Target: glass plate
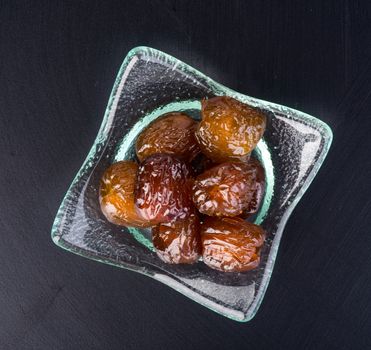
column 149, row 84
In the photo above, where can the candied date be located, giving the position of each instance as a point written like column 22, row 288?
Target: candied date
column 163, row 189
column 224, row 190
column 229, row 129
column 231, row 244
column 172, row 133
column 178, row 242
column 116, row 195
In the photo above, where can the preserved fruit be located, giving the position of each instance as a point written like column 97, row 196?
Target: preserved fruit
column 116, row 195
column 229, row 129
column 178, row 242
column 225, row 190
column 231, row 244
column 163, row 189
column 173, row 134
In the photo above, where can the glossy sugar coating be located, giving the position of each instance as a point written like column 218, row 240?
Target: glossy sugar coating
column 173, row 133
column 178, row 242
column 231, row 244
column 163, row 189
column 258, row 194
column 229, row 129
column 225, row 189
column 116, row 195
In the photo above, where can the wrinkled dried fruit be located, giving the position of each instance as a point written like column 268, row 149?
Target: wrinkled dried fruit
column 178, row 242
column 231, row 244
column 229, row 129
column 172, row 133
column 163, row 189
column 258, row 195
column 225, row 190
column 116, row 195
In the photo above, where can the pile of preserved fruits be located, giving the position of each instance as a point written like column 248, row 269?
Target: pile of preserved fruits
column 195, row 185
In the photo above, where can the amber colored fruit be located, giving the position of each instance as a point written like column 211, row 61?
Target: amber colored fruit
column 163, row 189
column 178, row 242
column 116, row 195
column 231, row 244
column 225, row 189
column 173, row 133
column 229, row 129
column 258, row 195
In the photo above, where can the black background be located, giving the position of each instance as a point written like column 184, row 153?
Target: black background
column 58, row 62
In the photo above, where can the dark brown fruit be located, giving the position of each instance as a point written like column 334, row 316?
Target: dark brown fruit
column 258, row 195
column 178, row 242
column 163, row 189
column 173, row 134
column 231, row 244
column 116, row 195
column 229, row 129
column 225, row 190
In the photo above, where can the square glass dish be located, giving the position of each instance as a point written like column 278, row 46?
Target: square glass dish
column 149, row 84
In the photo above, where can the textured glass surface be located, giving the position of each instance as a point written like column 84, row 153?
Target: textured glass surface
column 148, row 84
